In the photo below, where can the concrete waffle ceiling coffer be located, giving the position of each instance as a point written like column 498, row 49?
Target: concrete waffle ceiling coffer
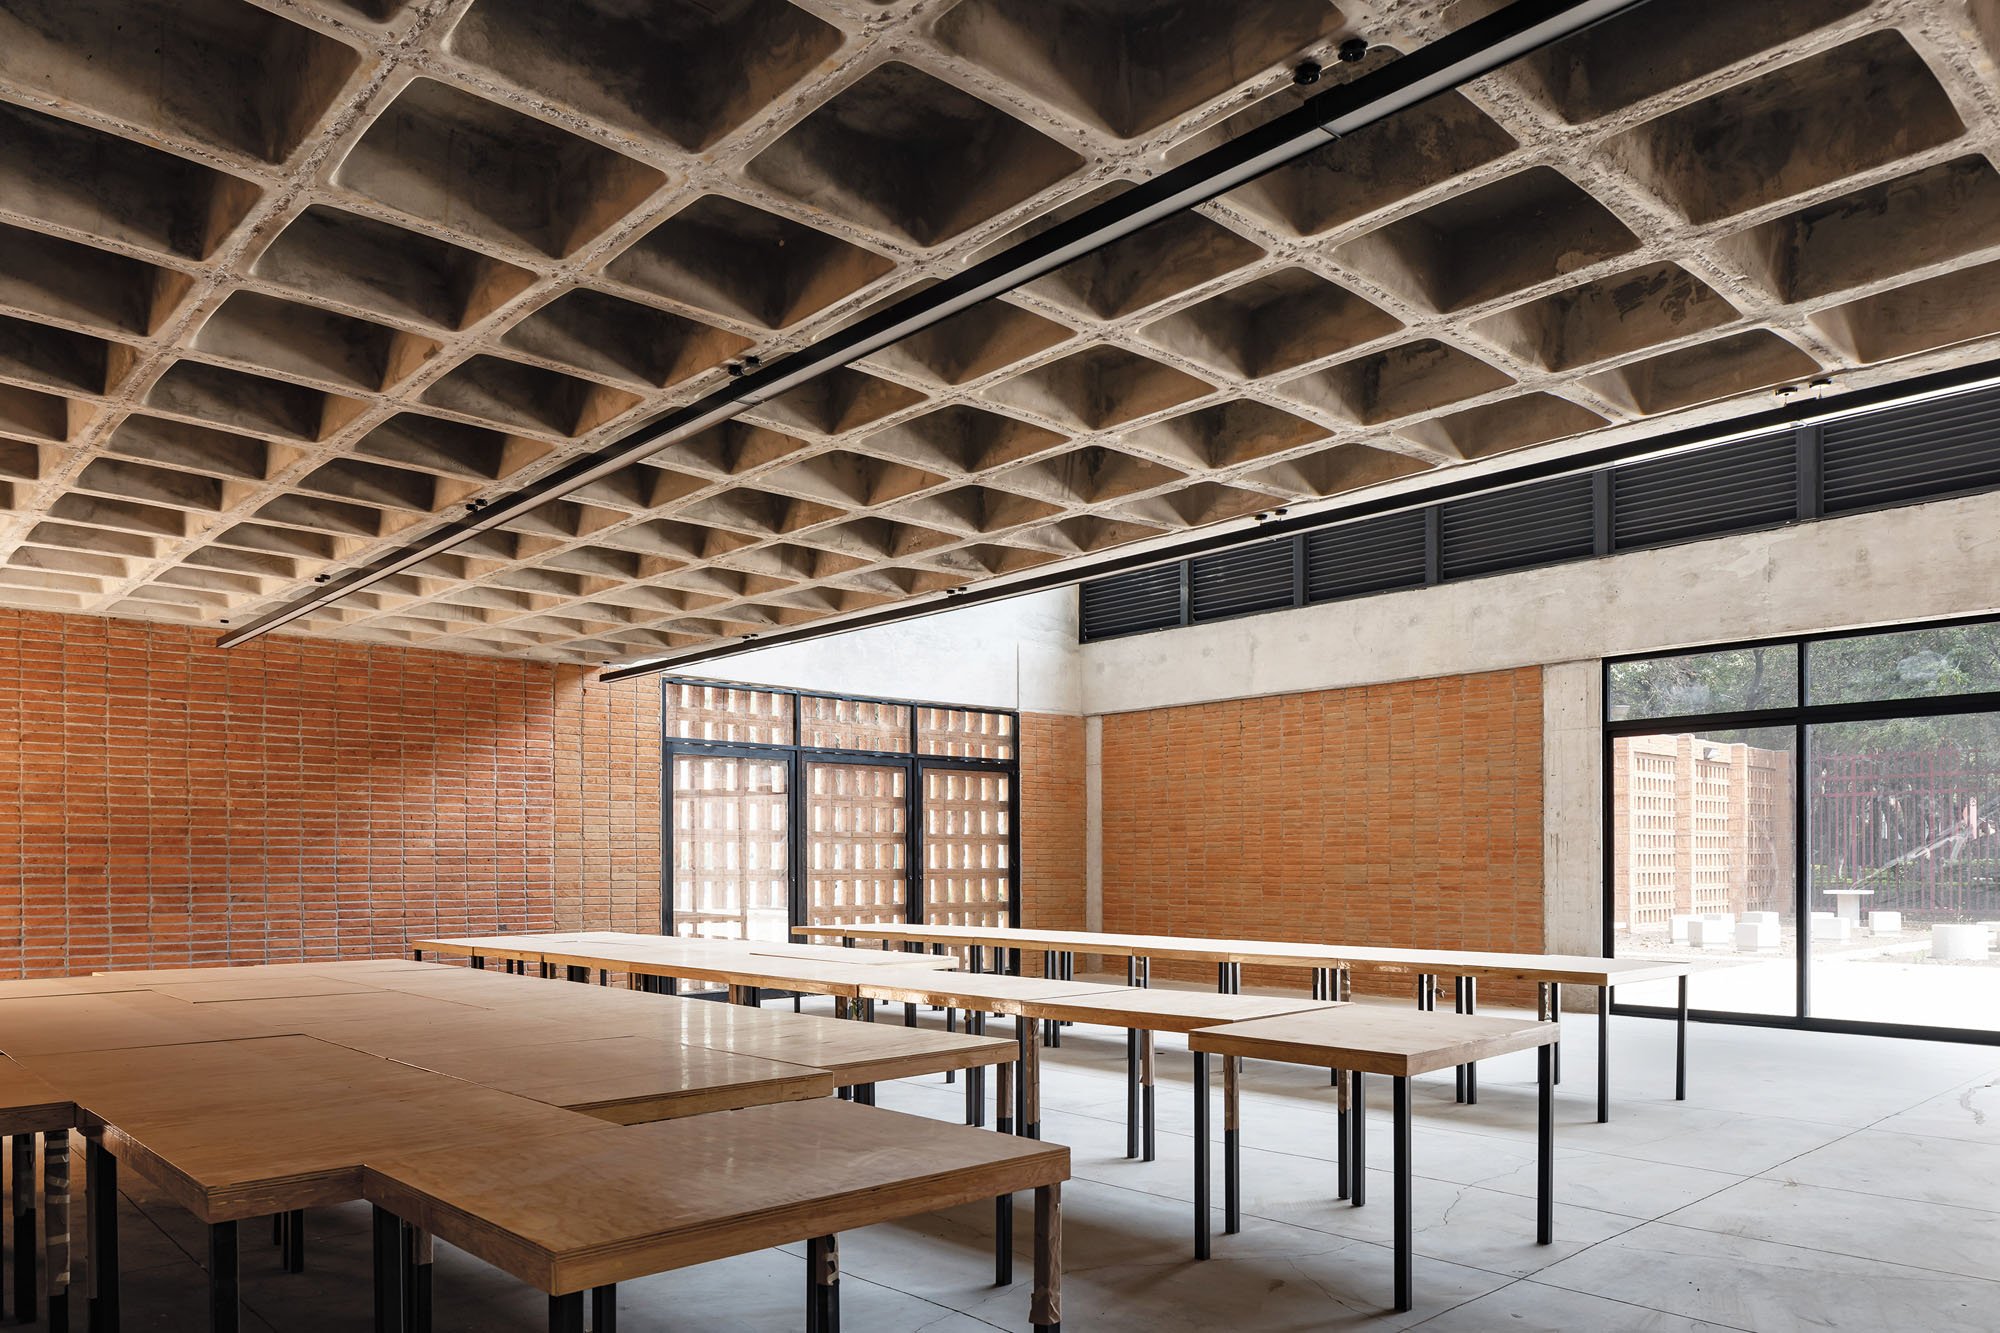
column 283, row 286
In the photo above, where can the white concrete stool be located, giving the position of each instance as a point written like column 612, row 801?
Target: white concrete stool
column 1755, row 936
column 1960, row 943
column 1707, row 933
column 1885, row 923
column 1677, row 927
column 1834, row 929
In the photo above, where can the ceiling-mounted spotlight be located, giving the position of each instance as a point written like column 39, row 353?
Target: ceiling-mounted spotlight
column 1307, row 73
column 1353, row 50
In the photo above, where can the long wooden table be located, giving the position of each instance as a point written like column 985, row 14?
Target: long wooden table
column 1332, row 965
column 692, row 1190
column 1368, row 1039
column 167, row 1078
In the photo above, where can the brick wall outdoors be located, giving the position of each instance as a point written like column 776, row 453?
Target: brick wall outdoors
column 1403, row 814
column 1053, row 870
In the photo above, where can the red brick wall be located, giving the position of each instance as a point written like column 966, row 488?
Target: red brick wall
column 164, row 802
column 1403, row 814
column 607, row 798
column 1053, row 868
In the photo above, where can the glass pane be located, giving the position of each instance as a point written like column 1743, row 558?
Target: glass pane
column 1702, row 866
column 1958, row 659
column 966, row 857
column 1728, row 681
column 723, row 713
column 845, row 724
column 962, row 734
column 1905, row 861
column 855, row 844
column 730, row 872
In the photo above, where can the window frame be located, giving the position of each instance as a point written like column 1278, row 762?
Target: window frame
column 1801, row 718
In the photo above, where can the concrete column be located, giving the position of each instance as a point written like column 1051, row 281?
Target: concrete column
column 1573, row 810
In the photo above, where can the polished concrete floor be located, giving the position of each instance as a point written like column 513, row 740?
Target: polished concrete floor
column 1809, row 1182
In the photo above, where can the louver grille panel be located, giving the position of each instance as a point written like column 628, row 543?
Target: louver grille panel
column 1257, row 577
column 1900, row 455
column 1750, row 485
column 1527, row 525
column 1370, row 556
column 1132, row 603
column 1933, row 448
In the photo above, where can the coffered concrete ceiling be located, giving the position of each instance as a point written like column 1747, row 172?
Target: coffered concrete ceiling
column 284, row 285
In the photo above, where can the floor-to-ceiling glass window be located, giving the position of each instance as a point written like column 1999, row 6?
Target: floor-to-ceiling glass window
column 789, row 808
column 1815, row 821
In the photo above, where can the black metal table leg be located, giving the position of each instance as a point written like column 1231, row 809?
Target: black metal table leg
column 1232, row 1148
column 1003, row 1239
column 101, row 1209
column 225, row 1298
column 1201, row 1154
column 1405, row 1234
column 1681, row 1042
column 294, row 1257
column 389, row 1270
column 1458, row 1007
column 1603, row 1054
column 478, row 962
column 566, row 1313
column 26, row 1305
column 1545, row 1146
column 1343, row 1133
column 1357, row 1171
column 1551, row 1007
column 604, row 1308
column 1472, row 1070
column 1131, row 1091
column 1148, row 1053
column 975, row 1077
column 823, row 1285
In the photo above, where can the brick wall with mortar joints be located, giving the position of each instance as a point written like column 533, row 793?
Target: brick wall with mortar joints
column 164, row 803
column 1405, row 814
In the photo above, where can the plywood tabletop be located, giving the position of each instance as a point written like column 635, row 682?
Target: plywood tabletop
column 294, row 985
column 236, row 1129
column 1375, row 1038
column 119, row 1019
column 35, row 988
column 1561, row 968
column 629, row 1080
column 582, row 1210
column 1165, row 1010
column 989, row 992
column 834, row 953
column 854, row 1052
column 29, row 1104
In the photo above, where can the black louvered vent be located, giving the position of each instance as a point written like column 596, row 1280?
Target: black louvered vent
column 1906, row 453
column 1257, row 577
column 1131, row 603
column 1526, row 525
column 1372, row 555
column 1754, row 484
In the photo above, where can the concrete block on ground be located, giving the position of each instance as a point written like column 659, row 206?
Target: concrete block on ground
column 1961, row 943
